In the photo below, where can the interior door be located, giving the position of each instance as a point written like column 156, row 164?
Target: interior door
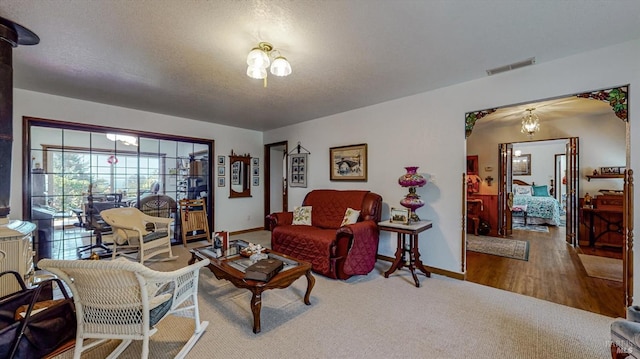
column 275, row 181
column 572, row 151
column 504, row 189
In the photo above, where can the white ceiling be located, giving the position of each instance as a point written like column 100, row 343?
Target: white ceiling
column 187, row 58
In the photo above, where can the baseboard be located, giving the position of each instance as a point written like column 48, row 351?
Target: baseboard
column 446, row 273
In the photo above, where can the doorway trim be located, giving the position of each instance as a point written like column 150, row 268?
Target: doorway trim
column 616, row 96
column 268, row 179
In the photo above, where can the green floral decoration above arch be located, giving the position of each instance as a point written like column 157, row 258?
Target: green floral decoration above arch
column 616, row 97
column 470, row 120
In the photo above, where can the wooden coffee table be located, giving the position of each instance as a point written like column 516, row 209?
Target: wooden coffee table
column 230, row 268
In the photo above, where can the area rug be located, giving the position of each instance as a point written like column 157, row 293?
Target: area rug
column 510, row 248
column 530, row 227
column 602, row 267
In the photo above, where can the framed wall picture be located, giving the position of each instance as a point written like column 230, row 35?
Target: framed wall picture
column 348, row 163
column 221, row 170
column 472, row 165
column 521, row 165
column 298, row 170
column 256, row 181
column 255, row 162
column 221, row 182
column 221, row 160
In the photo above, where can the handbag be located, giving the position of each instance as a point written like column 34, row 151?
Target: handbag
column 31, row 324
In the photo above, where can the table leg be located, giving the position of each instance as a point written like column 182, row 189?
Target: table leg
column 256, row 306
column 311, row 281
column 412, row 259
column 399, row 258
column 418, row 261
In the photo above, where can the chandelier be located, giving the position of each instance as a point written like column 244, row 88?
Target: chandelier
column 530, row 123
column 259, row 58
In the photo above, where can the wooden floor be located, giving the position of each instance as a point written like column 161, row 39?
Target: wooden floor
column 553, row 272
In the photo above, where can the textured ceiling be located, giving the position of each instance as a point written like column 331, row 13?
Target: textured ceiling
column 187, row 58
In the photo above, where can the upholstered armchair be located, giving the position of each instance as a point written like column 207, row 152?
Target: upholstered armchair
column 132, row 228
column 625, row 335
column 121, row 299
column 334, row 248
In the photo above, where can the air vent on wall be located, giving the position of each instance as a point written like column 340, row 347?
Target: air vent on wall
column 513, row 66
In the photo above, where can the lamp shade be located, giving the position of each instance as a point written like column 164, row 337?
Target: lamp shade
column 280, row 67
column 412, row 178
column 256, row 72
column 258, row 58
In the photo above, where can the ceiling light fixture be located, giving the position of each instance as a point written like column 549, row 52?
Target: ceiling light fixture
column 530, row 123
column 259, row 58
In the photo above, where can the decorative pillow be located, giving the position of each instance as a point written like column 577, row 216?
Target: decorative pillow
column 302, row 215
column 541, row 191
column 350, row 216
column 522, row 190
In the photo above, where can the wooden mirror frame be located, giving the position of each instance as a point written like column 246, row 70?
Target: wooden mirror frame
column 240, row 174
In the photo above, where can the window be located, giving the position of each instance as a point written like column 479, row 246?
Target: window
column 68, row 162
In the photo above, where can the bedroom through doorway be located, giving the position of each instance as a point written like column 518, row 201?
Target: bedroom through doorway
column 577, row 135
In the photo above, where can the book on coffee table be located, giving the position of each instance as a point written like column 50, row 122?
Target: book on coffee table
column 264, row 269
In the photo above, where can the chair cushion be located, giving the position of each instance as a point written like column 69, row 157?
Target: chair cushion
column 161, row 303
column 311, row 244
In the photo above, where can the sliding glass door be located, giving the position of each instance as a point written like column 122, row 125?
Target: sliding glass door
column 70, row 166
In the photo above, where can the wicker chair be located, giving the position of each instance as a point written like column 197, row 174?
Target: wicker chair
column 134, row 229
column 121, row 299
column 158, row 205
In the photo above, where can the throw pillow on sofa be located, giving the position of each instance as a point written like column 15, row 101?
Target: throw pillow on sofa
column 302, row 216
column 350, row 216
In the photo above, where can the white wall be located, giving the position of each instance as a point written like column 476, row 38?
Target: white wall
column 230, row 214
column 427, row 130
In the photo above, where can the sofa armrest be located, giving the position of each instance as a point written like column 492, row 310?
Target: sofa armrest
column 362, row 248
column 279, row 218
column 365, row 229
column 350, row 229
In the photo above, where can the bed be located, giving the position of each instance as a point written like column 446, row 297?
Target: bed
column 541, row 207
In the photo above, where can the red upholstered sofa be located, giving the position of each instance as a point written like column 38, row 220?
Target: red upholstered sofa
column 334, row 251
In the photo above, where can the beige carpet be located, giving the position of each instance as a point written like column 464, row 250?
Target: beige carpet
column 602, row 267
column 374, row 317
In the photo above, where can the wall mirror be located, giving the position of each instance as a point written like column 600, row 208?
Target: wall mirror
column 240, row 171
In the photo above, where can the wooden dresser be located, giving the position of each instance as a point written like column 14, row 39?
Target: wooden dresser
column 602, row 225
